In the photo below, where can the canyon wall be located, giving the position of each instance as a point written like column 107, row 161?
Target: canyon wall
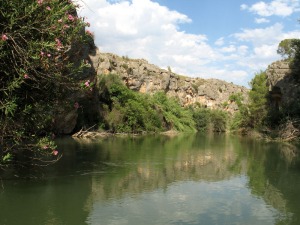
column 141, row 76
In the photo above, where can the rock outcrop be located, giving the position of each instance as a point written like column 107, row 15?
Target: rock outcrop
column 284, row 88
column 143, row 77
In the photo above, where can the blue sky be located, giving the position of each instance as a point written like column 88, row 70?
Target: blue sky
column 229, row 40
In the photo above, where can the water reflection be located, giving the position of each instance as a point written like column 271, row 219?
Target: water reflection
column 189, row 179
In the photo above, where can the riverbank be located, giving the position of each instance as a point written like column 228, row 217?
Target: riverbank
column 86, row 134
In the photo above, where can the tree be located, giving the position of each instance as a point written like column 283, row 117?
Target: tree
column 258, row 100
column 37, row 45
column 288, row 48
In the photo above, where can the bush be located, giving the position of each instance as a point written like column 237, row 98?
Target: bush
column 218, row 120
column 173, row 114
column 36, row 46
column 202, row 119
column 124, row 110
column 210, row 120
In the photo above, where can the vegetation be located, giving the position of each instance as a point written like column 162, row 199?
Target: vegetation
column 210, row 120
column 287, row 48
column 40, row 60
column 41, row 68
column 124, row 110
column 258, row 101
column 260, row 113
column 253, row 114
column 36, row 48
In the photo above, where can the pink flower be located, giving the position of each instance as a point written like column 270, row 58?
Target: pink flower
column 45, row 147
column 48, row 8
column 49, row 55
column 89, row 33
column 55, row 152
column 42, row 54
column 40, row 2
column 58, row 42
column 60, row 20
column 4, row 37
column 76, row 105
column 71, row 18
column 87, row 83
column 66, row 26
column 26, row 76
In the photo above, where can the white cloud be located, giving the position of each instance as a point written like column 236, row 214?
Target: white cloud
column 261, row 36
column 244, row 7
column 265, row 51
column 220, row 41
column 274, row 8
column 264, row 43
column 145, row 29
column 243, row 50
column 228, row 49
column 261, row 20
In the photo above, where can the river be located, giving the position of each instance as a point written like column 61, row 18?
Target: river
column 157, row 180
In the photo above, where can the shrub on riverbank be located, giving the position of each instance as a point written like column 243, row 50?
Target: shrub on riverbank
column 37, row 42
column 210, row 120
column 124, row 110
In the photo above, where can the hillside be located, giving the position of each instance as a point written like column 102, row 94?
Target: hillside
column 141, row 76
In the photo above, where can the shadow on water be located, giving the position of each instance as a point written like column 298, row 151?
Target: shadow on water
column 187, row 179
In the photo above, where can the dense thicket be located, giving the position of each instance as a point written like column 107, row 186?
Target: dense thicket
column 37, row 39
column 124, row 110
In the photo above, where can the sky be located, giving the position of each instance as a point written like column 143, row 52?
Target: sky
column 230, row 40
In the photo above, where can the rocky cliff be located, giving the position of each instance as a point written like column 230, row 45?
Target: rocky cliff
column 284, row 88
column 141, row 76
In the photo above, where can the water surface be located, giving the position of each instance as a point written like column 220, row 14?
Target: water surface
column 188, row 179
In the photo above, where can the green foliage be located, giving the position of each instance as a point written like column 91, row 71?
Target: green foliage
column 174, row 116
column 38, row 40
column 237, row 98
column 210, row 120
column 218, row 119
column 202, row 119
column 7, row 157
column 237, row 121
column 295, row 64
column 290, row 49
column 257, row 101
column 240, row 118
column 287, row 48
column 124, row 110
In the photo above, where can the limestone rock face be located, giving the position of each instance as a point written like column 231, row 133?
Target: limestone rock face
column 141, row 76
column 281, row 82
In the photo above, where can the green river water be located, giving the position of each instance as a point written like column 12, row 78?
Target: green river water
column 156, row 180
